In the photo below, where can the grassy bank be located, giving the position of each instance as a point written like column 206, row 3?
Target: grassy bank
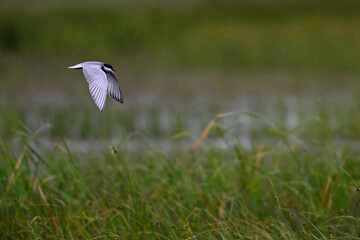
column 285, row 189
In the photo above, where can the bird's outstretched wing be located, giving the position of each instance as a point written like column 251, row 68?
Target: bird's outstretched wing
column 113, row 87
column 97, row 80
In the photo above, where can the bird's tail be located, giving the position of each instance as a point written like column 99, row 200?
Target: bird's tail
column 77, row 66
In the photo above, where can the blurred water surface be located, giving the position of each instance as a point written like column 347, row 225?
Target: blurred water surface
column 179, row 65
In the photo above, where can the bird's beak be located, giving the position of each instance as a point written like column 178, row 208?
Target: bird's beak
column 114, row 70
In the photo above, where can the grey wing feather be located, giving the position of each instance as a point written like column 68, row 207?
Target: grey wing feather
column 113, row 87
column 97, row 84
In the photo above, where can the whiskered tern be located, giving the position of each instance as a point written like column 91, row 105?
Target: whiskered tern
column 102, row 81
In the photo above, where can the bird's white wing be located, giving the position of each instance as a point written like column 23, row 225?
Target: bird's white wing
column 113, row 87
column 97, row 80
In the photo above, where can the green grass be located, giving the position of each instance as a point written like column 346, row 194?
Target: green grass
column 278, row 189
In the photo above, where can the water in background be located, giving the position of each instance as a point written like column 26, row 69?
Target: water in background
column 179, row 65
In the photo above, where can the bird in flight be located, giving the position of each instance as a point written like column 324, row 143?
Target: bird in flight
column 102, row 81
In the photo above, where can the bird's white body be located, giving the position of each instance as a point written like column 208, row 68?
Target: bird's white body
column 102, row 82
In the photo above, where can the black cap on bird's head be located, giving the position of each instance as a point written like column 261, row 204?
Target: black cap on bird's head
column 109, row 66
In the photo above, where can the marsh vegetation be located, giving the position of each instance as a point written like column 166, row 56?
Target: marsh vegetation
column 240, row 121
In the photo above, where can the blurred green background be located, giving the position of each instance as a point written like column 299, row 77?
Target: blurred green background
column 177, row 59
column 241, row 35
